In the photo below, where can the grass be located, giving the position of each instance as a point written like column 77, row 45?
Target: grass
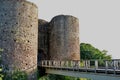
column 1, row 78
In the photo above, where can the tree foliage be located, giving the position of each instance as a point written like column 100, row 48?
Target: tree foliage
column 16, row 75
column 59, row 77
column 87, row 51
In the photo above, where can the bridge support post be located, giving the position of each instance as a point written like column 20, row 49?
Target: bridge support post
column 96, row 65
column 114, row 66
column 106, row 66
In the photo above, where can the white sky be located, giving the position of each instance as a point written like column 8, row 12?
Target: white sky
column 99, row 20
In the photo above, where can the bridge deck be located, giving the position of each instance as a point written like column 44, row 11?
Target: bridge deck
column 93, row 76
column 95, row 69
column 92, row 70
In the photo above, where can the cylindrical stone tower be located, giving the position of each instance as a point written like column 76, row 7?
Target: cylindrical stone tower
column 42, row 40
column 42, row 44
column 64, row 38
column 19, row 35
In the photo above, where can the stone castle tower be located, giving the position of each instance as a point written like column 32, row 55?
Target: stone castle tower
column 43, row 39
column 25, row 39
column 64, row 38
column 18, row 36
column 59, row 38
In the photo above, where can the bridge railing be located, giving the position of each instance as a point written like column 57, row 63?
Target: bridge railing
column 83, row 64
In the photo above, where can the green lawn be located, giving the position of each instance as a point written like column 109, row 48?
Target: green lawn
column 0, row 78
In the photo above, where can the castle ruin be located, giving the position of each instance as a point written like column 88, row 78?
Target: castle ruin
column 27, row 40
column 64, row 38
column 19, row 36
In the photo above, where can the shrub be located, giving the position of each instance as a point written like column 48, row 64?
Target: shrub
column 16, row 75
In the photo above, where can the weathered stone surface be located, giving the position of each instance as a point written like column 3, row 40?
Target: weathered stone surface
column 64, row 38
column 42, row 40
column 19, row 35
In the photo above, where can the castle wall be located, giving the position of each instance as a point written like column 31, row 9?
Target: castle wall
column 19, row 35
column 42, row 40
column 64, row 38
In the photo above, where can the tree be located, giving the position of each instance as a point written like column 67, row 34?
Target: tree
column 89, row 52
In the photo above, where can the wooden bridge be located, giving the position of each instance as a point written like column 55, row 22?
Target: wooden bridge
column 93, row 69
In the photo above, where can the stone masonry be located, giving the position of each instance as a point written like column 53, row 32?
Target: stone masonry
column 64, row 38
column 18, row 36
column 59, row 38
column 25, row 40
column 42, row 40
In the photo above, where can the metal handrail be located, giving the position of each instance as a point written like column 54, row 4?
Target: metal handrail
column 106, row 65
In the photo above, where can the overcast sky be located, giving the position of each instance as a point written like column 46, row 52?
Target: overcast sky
column 99, row 20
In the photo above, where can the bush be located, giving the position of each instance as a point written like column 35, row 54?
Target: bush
column 16, row 75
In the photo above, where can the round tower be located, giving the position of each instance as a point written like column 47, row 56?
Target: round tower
column 64, row 38
column 42, row 40
column 19, row 35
